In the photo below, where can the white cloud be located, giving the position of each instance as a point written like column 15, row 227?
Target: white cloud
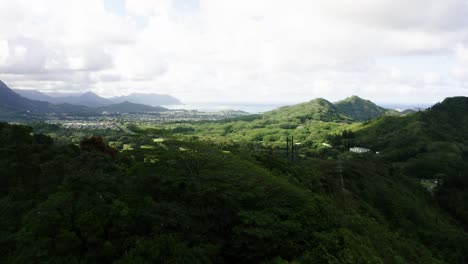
column 427, row 15
column 244, row 50
column 461, row 52
column 431, row 78
column 460, row 69
column 4, row 52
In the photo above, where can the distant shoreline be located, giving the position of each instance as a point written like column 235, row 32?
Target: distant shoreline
column 259, row 108
column 251, row 108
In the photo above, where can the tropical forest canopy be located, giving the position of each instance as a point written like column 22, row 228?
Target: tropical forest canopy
column 230, row 191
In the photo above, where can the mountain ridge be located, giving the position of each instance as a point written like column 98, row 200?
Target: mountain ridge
column 350, row 109
column 91, row 99
column 353, row 108
column 318, row 109
column 13, row 104
column 360, row 109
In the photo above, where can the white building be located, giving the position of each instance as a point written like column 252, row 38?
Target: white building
column 359, row 150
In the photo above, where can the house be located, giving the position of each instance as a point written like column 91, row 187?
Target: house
column 359, row 150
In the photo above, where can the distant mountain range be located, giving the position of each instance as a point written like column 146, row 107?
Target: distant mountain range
column 33, row 102
column 91, row 99
column 13, row 104
column 352, row 108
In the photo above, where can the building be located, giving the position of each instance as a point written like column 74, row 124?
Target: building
column 359, row 150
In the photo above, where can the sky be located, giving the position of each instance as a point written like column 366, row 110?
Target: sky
column 256, row 51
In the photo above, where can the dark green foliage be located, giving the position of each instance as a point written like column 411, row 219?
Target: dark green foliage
column 190, row 202
column 452, row 195
column 428, row 145
column 183, row 130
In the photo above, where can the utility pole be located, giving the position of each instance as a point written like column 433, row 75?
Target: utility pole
column 340, row 173
column 290, row 145
column 292, row 148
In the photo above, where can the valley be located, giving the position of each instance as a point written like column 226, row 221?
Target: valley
column 234, row 132
column 316, row 182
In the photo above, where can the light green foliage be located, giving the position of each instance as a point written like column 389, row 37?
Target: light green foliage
column 360, row 109
column 317, row 109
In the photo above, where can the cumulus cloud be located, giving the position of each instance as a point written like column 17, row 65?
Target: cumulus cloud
column 223, row 50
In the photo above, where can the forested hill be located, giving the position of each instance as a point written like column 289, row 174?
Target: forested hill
column 318, row 109
column 431, row 145
column 360, row 109
column 400, row 137
column 189, row 202
column 350, row 109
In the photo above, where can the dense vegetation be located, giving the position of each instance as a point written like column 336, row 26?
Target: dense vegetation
column 428, row 145
column 224, row 191
column 360, row 109
column 317, row 109
column 310, row 124
column 175, row 201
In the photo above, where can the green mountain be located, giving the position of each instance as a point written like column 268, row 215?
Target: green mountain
column 443, row 122
column 318, row 110
column 359, row 109
column 428, row 146
column 352, row 108
column 408, row 111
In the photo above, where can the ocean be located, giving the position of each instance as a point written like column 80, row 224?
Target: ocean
column 251, row 108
